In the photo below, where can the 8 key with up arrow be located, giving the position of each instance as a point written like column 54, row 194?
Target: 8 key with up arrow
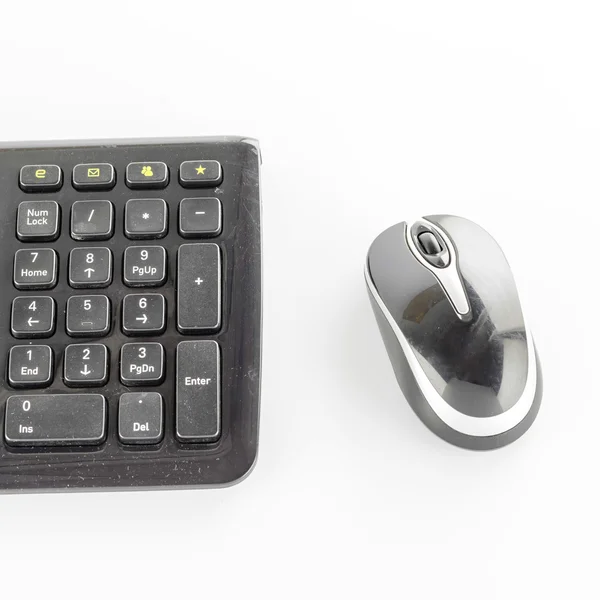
column 90, row 267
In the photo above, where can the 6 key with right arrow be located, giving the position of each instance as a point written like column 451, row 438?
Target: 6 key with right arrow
column 143, row 314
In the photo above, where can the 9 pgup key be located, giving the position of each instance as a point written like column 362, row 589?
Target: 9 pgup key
column 145, row 266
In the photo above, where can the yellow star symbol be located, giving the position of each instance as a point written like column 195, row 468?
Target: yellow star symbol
column 200, row 170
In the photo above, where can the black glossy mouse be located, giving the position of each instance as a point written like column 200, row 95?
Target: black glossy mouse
column 448, row 309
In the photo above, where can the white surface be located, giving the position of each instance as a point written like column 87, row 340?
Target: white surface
column 368, row 113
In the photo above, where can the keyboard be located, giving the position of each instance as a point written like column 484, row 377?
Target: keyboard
column 130, row 317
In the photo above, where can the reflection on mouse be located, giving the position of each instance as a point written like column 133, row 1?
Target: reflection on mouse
column 450, row 316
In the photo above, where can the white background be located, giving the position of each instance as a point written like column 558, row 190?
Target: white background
column 367, row 113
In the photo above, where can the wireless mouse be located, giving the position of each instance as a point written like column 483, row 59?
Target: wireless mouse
column 448, row 309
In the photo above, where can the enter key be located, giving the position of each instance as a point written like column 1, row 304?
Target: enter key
column 198, row 392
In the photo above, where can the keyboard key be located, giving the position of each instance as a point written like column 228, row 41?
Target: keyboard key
column 40, row 178
column 141, row 418
column 90, row 267
column 200, row 173
column 86, row 365
column 198, row 391
column 143, row 314
column 30, row 366
column 88, row 316
column 55, row 420
column 145, row 266
column 145, row 218
column 33, row 317
column 35, row 269
column 142, row 364
column 199, row 217
column 94, row 176
column 147, row 175
column 92, row 220
column 38, row 221
column 198, row 288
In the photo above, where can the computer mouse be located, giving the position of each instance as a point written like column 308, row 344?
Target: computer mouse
column 449, row 312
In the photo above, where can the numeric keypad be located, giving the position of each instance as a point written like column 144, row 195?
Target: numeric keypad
column 131, row 310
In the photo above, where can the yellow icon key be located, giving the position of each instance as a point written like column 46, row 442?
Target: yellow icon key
column 147, row 171
column 93, row 172
column 40, row 174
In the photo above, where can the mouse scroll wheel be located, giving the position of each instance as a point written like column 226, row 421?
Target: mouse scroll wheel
column 429, row 243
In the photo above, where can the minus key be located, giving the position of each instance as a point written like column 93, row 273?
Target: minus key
column 200, row 217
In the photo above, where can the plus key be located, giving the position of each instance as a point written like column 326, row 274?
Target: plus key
column 198, row 288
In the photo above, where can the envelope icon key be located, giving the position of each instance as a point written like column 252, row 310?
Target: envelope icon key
column 93, row 172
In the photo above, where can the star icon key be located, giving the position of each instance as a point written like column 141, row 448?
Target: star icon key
column 200, row 173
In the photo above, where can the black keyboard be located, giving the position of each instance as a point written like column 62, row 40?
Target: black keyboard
column 130, row 321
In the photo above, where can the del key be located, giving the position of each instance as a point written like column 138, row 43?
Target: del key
column 198, row 288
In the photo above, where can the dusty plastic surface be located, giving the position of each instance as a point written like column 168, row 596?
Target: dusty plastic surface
column 170, row 464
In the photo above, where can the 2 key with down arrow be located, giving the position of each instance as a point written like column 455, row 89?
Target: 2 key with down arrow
column 86, row 365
